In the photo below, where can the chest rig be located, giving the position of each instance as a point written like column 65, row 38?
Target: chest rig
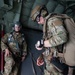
column 14, row 43
column 48, row 34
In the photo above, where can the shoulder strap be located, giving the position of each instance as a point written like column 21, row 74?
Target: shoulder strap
column 64, row 16
column 45, row 25
column 14, row 40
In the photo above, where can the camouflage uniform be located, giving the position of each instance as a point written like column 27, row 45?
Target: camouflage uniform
column 53, row 31
column 17, row 46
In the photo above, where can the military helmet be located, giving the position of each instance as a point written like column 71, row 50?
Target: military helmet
column 39, row 11
column 17, row 23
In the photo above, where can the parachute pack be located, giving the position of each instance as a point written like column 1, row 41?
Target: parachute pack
column 69, row 53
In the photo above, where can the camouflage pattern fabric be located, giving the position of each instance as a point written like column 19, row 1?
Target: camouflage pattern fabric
column 9, row 42
column 14, row 58
column 53, row 31
column 9, row 64
column 50, row 68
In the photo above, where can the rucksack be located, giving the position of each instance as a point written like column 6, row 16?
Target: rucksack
column 69, row 47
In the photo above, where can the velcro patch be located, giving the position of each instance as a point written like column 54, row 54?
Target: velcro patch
column 57, row 22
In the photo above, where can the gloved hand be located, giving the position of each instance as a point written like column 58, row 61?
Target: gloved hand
column 40, row 60
column 40, row 43
column 7, row 52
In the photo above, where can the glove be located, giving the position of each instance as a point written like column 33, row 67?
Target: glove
column 40, row 43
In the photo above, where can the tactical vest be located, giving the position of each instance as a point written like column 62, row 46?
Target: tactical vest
column 14, row 44
column 69, row 48
column 48, row 34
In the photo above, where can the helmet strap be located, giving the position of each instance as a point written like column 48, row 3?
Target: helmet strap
column 43, row 8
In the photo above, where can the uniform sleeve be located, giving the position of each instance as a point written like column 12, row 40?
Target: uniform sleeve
column 4, row 42
column 59, row 34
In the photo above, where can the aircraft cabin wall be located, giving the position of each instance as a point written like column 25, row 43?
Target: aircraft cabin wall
column 15, row 10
